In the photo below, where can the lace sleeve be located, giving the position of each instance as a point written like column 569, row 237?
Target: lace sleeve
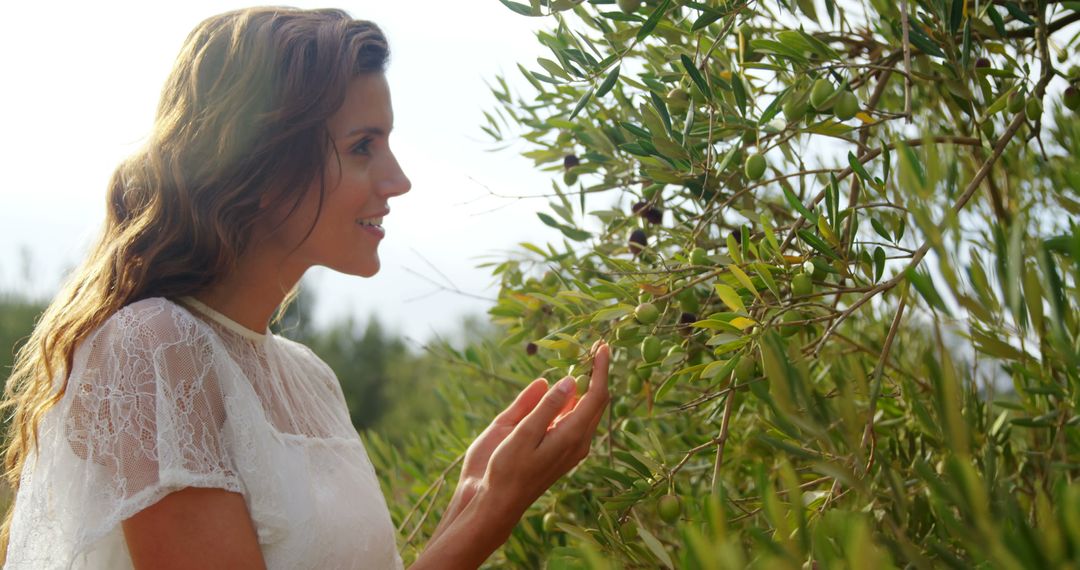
column 145, row 416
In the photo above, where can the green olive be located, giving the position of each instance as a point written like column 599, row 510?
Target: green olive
column 745, row 369
column 678, row 99
column 847, row 105
column 801, row 285
column 820, row 93
column 1033, row 108
column 755, row 166
column 634, row 384
column 582, row 383
column 629, row 6
column 669, row 508
column 699, row 257
column 628, row 530
column 549, row 522
column 650, row 349
column 787, row 329
column 646, row 313
column 1016, row 102
column 795, row 107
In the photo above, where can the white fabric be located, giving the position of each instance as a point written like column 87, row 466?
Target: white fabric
column 166, row 395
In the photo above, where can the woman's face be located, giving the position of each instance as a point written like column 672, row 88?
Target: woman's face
column 359, row 180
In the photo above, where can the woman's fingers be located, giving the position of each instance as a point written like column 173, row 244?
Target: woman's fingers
column 567, row 407
column 523, row 404
column 534, row 425
column 583, row 420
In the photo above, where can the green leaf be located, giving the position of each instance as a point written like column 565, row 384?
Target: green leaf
column 695, row 75
column 581, row 103
column 636, row 130
column 707, row 17
column 730, row 298
column 548, row 220
column 609, row 82
column 858, row 168
column 1016, row 12
column 920, row 40
column 997, row 348
column 743, row 279
column 661, row 108
column 521, row 8
column 880, row 229
column 798, row 205
column 611, row 313
column 574, row 233
column 653, row 20
column 777, row 48
column 925, row 286
column 817, row 243
column 998, row 21
column 655, row 546
column 553, row 68
column 739, row 92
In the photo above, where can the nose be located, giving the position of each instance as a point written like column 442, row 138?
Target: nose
column 395, row 183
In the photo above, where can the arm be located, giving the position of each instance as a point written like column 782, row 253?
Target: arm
column 194, row 528
column 463, row 495
column 479, row 528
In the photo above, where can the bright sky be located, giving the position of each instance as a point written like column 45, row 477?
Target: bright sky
column 82, row 81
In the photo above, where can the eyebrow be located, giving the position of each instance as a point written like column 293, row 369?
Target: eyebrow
column 377, row 131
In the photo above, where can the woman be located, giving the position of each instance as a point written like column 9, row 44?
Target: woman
column 157, row 423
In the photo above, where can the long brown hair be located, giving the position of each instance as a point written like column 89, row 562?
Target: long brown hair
column 241, row 120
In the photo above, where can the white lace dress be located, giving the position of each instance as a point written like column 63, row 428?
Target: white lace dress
column 166, row 395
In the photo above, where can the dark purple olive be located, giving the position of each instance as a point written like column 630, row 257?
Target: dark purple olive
column 685, row 320
column 639, row 207
column 982, row 63
column 737, row 235
column 530, row 348
column 638, row 240
column 654, row 215
column 570, row 161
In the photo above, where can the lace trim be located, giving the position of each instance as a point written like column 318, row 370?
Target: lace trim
column 225, row 321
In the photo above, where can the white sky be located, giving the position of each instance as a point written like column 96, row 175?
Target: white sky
column 81, row 82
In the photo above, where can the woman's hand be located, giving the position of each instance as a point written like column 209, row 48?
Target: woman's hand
column 528, row 447
column 536, row 454
column 479, row 453
column 480, row 450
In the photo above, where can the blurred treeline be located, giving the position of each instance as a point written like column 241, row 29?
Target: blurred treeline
column 387, row 380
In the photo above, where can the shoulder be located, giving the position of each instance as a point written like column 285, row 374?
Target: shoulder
column 304, row 356
column 297, row 349
column 147, row 324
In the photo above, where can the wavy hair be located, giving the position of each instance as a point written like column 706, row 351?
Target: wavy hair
column 241, row 120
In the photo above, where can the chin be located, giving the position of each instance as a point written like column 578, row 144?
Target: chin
column 367, row 268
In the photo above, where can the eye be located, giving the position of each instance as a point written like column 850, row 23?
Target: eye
column 361, row 147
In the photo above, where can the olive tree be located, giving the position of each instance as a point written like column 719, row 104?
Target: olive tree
column 834, row 247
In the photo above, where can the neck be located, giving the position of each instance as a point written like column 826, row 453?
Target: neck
column 250, row 294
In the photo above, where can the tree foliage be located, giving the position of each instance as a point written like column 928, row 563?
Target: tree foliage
column 856, row 223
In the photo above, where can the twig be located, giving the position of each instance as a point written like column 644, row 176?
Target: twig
column 875, row 386
column 435, row 486
column 729, row 405
column 907, row 60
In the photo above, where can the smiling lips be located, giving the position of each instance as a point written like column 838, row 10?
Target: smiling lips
column 373, row 225
column 374, row 221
